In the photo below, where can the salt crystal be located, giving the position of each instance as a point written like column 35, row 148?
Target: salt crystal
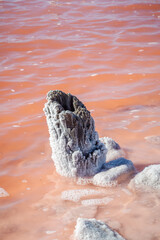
column 75, row 195
column 95, row 230
column 140, row 50
column 148, row 179
column 24, row 181
column 12, row 90
column 21, row 69
column 94, row 74
column 98, row 201
column 50, row 232
column 15, row 126
column 45, row 209
column 28, row 188
column 29, row 51
column 3, row 193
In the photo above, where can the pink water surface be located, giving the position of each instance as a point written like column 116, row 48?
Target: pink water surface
column 107, row 53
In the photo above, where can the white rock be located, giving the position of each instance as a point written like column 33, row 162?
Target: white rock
column 3, row 193
column 92, row 229
column 148, row 179
column 115, row 172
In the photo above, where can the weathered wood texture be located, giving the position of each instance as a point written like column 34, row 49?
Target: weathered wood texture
column 76, row 148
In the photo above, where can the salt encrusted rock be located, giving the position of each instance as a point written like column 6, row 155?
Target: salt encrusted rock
column 114, row 172
column 148, row 179
column 113, row 149
column 92, row 229
column 76, row 148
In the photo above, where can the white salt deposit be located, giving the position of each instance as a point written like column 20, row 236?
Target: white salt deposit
column 3, row 193
column 92, row 229
column 50, row 232
column 116, row 171
column 148, row 179
column 76, row 195
column 113, row 149
column 98, row 201
column 153, row 139
column 24, row 181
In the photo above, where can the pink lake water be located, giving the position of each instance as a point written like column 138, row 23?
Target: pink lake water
column 107, row 53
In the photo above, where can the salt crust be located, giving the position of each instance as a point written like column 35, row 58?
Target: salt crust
column 3, row 193
column 115, row 172
column 92, row 229
column 98, row 201
column 153, row 139
column 75, row 195
column 148, row 179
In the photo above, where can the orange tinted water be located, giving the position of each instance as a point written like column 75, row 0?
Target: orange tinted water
column 107, row 54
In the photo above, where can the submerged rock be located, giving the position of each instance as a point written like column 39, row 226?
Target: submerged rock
column 114, row 172
column 92, row 229
column 148, row 179
column 76, row 148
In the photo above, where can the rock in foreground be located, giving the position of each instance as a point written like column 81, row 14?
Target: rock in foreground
column 91, row 229
column 148, row 179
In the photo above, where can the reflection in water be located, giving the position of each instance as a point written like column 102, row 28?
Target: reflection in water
column 107, row 54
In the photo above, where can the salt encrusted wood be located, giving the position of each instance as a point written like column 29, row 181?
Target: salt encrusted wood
column 76, row 148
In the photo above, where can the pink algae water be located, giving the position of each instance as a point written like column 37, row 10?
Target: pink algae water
column 107, row 54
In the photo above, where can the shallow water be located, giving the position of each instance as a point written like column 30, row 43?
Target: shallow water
column 107, row 54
